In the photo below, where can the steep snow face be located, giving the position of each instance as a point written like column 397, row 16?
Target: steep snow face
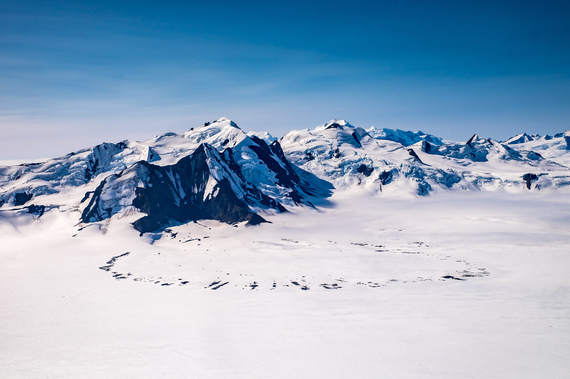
column 149, row 155
column 397, row 161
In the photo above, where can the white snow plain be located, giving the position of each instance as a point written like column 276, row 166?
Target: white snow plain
column 353, row 290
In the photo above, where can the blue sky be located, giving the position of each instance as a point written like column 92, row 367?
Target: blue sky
column 74, row 74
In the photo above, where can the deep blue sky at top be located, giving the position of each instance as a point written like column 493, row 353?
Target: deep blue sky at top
column 73, row 74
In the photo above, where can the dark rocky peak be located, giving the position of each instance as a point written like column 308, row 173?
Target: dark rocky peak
column 476, row 142
column 472, row 140
column 199, row 186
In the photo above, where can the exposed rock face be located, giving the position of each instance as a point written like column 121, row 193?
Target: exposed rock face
column 528, row 179
column 22, row 198
column 365, row 170
column 413, row 154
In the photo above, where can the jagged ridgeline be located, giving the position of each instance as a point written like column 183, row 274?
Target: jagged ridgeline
column 213, row 172
column 219, row 172
column 415, row 162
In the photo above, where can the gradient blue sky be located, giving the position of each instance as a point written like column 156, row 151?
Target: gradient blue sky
column 74, row 74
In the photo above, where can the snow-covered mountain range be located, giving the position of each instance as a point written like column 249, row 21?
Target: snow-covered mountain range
column 420, row 163
column 386, row 254
column 219, row 172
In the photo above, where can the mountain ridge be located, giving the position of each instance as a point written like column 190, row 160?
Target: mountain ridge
column 218, row 171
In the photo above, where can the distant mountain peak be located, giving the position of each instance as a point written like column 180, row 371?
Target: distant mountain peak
column 522, row 138
column 223, row 121
column 333, row 124
column 404, row 137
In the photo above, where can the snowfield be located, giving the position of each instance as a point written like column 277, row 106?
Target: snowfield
column 456, row 284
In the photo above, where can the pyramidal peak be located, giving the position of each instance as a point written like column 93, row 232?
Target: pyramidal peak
column 476, row 139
